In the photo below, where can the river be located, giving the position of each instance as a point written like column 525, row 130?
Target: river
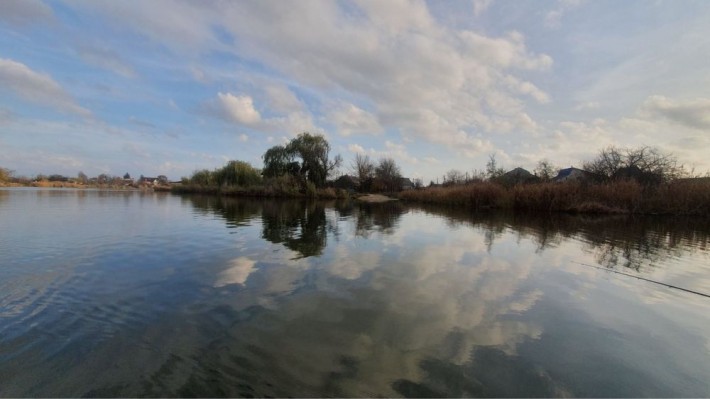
column 126, row 294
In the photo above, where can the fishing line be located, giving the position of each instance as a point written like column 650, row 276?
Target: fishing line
column 644, row 279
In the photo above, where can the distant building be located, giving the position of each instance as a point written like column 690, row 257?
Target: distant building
column 636, row 174
column 573, row 174
column 405, row 183
column 517, row 176
column 148, row 180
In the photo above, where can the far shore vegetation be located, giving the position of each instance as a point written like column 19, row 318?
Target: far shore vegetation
column 619, row 180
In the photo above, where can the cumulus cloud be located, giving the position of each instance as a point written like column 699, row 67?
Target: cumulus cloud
column 237, row 109
column 23, row 12
column 356, row 148
column 292, row 124
column 37, row 87
column 430, row 81
column 350, row 119
column 690, row 113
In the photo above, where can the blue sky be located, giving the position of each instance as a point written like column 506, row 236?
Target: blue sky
column 168, row 87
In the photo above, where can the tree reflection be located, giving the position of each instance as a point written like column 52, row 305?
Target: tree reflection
column 299, row 226
column 617, row 241
column 381, row 217
column 236, row 212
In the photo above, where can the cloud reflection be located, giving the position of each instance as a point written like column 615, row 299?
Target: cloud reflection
column 237, row 273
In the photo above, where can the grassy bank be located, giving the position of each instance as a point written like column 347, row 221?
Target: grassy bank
column 675, row 198
column 265, row 191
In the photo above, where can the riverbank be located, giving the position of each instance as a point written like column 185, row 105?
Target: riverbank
column 267, row 191
column 79, row 186
column 374, row 198
column 684, row 197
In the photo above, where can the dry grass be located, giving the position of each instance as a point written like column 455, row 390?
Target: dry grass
column 477, row 195
column 678, row 198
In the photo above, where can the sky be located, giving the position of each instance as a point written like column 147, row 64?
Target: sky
column 170, row 87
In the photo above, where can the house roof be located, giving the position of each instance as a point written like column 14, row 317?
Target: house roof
column 518, row 173
column 567, row 173
column 405, row 181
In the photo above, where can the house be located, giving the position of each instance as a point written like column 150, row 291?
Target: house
column 148, row 180
column 573, row 174
column 517, row 176
column 635, row 173
column 405, row 183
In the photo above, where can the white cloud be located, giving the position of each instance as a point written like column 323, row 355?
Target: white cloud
column 23, row 12
column 430, row 81
column 690, row 113
column 356, row 148
column 238, row 109
column 283, row 100
column 243, row 138
column 292, row 124
column 349, row 119
column 37, row 87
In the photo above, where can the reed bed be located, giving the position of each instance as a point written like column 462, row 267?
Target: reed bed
column 676, row 198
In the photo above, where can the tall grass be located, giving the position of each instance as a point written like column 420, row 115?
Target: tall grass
column 678, row 197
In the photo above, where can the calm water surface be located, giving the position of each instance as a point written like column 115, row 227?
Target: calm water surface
column 141, row 294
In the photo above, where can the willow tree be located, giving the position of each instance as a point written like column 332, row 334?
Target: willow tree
column 313, row 152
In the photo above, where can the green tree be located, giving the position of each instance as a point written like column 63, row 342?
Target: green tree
column 237, row 173
column 278, row 161
column 313, row 151
column 202, row 177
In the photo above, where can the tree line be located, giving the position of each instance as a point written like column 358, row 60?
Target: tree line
column 645, row 165
column 303, row 165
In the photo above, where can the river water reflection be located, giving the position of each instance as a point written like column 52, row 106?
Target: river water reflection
column 142, row 294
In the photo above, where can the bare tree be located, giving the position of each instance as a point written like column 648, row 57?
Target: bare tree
column 649, row 163
column 545, row 170
column 363, row 167
column 492, row 169
column 453, row 177
column 388, row 173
